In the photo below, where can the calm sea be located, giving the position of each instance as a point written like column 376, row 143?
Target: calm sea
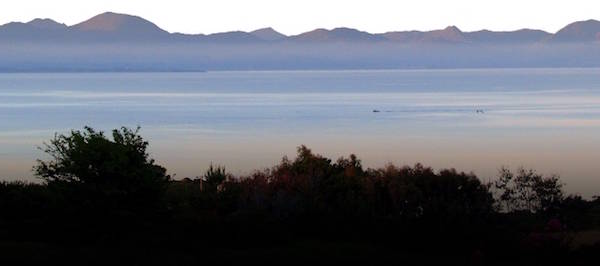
column 547, row 119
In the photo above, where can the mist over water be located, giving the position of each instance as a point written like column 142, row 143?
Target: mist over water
column 547, row 119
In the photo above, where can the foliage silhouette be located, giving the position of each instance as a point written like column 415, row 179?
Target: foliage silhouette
column 117, row 170
column 107, row 196
column 528, row 191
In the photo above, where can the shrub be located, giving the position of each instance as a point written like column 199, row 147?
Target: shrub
column 95, row 168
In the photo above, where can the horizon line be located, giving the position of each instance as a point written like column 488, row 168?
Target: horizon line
column 307, row 31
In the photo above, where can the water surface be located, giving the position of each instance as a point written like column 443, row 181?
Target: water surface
column 548, row 119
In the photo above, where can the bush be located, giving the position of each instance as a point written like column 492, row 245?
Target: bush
column 116, row 171
column 528, row 191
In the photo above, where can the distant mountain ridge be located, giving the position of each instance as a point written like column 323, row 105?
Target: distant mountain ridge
column 337, row 34
column 120, row 42
column 111, row 26
column 119, row 23
column 268, row 34
column 521, row 36
column 47, row 24
column 588, row 30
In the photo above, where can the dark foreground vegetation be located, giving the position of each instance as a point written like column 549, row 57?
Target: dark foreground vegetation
column 105, row 202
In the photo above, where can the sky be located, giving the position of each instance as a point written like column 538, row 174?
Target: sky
column 297, row 16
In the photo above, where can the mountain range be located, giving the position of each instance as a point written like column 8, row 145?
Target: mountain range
column 112, row 41
column 111, row 26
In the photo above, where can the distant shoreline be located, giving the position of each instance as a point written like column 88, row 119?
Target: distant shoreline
column 36, row 71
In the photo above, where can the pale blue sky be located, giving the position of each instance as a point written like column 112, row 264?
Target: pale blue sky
column 292, row 17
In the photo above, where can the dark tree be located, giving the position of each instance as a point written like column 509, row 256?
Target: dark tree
column 117, row 170
column 528, row 191
column 213, row 178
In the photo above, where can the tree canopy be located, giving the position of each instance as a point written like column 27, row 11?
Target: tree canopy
column 118, row 167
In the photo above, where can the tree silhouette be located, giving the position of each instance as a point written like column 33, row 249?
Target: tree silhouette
column 104, row 191
column 213, row 178
column 528, row 191
column 119, row 170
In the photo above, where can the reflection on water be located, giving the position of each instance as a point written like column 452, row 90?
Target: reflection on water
column 547, row 119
